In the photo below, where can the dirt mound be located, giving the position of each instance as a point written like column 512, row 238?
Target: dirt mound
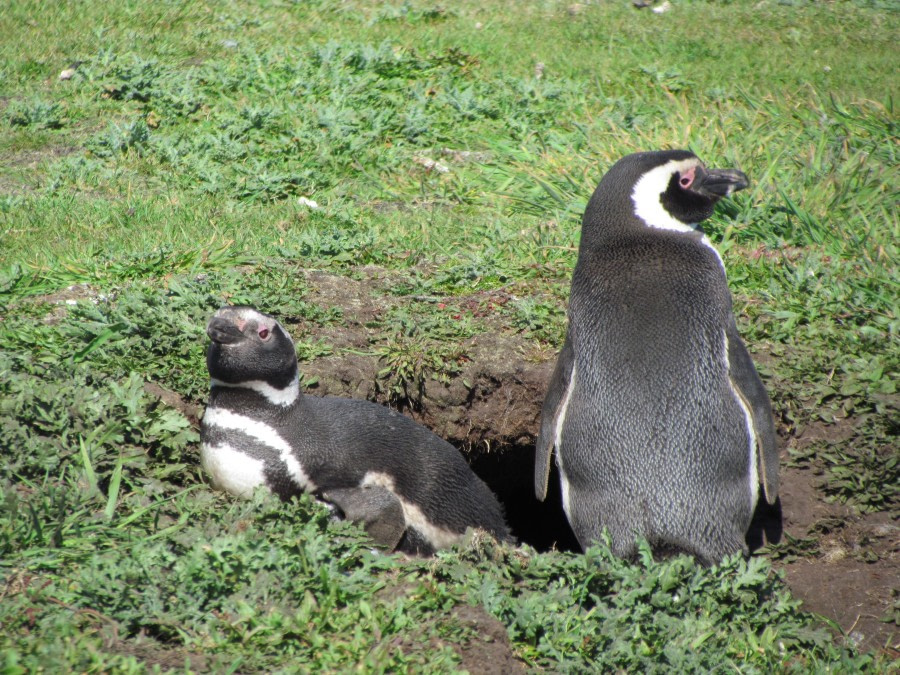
column 493, row 399
column 489, row 650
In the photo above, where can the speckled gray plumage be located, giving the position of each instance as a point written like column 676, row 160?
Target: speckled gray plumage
column 654, row 441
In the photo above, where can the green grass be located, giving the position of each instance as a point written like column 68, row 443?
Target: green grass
column 165, row 175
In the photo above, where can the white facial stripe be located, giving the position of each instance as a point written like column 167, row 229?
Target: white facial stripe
column 283, row 397
column 648, row 190
column 558, row 428
column 437, row 536
column 751, row 433
column 231, row 470
column 225, row 419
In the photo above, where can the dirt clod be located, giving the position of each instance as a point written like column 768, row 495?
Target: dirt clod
column 489, row 650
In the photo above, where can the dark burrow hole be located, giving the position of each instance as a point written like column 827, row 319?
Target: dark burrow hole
column 510, row 474
column 766, row 526
column 543, row 525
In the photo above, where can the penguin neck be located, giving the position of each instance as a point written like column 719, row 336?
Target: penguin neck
column 254, row 393
column 603, row 225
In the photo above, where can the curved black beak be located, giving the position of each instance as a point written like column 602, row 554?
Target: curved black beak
column 223, row 331
column 718, row 183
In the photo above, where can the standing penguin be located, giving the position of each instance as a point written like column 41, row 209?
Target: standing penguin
column 410, row 489
column 662, row 427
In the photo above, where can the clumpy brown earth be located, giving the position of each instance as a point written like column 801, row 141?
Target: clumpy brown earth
column 849, row 571
column 493, row 399
column 489, row 651
column 841, row 563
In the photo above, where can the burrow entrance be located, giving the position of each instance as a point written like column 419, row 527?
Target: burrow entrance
column 509, row 472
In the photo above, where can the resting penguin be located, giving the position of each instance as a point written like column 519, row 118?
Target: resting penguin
column 410, row 489
column 661, row 425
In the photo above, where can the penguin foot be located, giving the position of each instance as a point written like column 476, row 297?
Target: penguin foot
column 375, row 508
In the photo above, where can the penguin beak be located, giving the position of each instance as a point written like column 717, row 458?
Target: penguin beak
column 717, row 183
column 223, row 332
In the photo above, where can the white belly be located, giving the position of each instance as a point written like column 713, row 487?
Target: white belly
column 232, row 470
column 237, row 472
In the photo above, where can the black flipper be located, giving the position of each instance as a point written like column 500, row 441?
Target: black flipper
column 376, row 508
column 553, row 401
column 750, row 388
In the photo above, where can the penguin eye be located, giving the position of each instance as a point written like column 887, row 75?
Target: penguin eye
column 263, row 333
column 686, row 179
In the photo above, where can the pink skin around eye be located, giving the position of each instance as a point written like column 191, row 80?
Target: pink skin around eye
column 687, row 178
column 263, row 333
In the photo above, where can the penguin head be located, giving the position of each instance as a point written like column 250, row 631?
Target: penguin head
column 247, row 345
column 666, row 190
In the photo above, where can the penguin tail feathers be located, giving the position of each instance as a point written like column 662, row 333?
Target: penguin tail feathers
column 768, row 478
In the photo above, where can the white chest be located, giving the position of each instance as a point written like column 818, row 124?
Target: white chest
column 238, row 470
column 231, row 470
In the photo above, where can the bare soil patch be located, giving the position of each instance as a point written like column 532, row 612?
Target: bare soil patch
column 63, row 298
column 154, row 655
column 488, row 651
column 851, row 575
column 31, row 158
column 495, row 399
